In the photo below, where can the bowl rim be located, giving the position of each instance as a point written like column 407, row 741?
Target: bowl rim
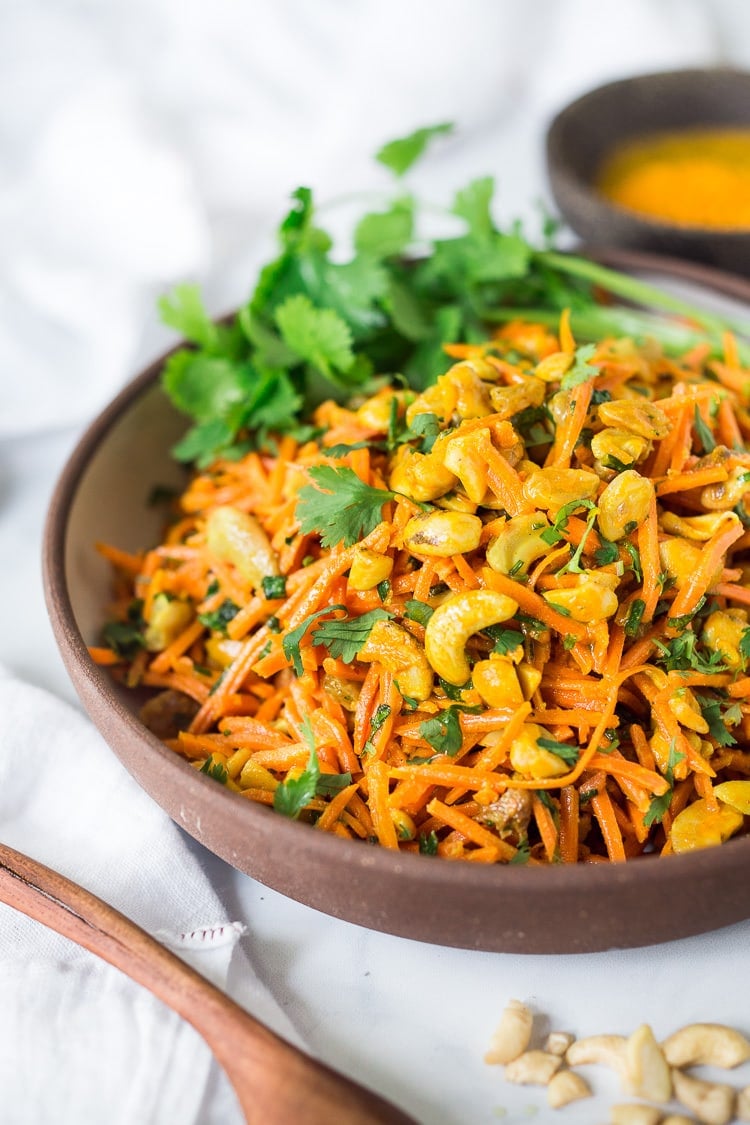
column 559, row 166
column 322, row 847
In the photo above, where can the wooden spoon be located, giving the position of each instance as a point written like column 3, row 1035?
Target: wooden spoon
column 274, row 1082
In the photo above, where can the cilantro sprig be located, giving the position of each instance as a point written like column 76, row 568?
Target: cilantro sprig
column 315, row 325
column 339, row 507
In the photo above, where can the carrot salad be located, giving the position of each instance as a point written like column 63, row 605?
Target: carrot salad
column 503, row 620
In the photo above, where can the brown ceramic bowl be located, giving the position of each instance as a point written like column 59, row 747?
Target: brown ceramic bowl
column 102, row 495
column 585, row 133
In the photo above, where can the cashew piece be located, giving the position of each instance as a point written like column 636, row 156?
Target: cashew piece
column 648, row 1072
column 399, row 652
column 238, row 538
column 565, row 1087
column 706, row 1044
column 533, row 1068
column 633, row 1114
column 711, row 1102
column 453, row 622
column 607, row 1050
column 557, row 1041
column 743, row 1104
column 512, row 1035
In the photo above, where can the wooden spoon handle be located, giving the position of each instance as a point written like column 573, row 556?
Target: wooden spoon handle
column 274, row 1082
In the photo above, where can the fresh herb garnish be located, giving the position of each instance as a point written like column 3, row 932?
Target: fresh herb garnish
column 712, row 713
column 344, row 637
column 660, row 805
column 274, row 586
column 635, row 616
column 215, row 769
column 218, row 619
column 384, row 590
column 293, row 639
column 339, row 507
column 553, row 535
column 568, row 753
column 607, row 553
column 428, row 843
column 291, row 796
column 581, row 371
column 443, row 732
column 681, row 654
column 703, row 433
column 124, row 638
column 506, row 640
column 418, row 611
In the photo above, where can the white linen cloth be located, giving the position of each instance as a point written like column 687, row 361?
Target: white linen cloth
column 79, row 1042
column 147, row 141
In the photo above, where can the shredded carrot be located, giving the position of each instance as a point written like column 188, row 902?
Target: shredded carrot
column 259, row 681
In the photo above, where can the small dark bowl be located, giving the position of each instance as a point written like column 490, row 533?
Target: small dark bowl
column 586, row 132
column 102, row 496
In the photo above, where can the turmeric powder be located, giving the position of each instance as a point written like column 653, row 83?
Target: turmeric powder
column 696, row 177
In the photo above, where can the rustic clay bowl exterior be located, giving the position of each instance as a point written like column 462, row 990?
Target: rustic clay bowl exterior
column 102, row 496
column 585, row 132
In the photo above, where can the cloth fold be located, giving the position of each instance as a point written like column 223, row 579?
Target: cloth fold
column 78, row 1040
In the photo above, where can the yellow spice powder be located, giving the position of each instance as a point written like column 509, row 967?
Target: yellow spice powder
column 696, row 178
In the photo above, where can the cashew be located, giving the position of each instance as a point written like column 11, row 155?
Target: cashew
column 168, row 617
column 238, row 538
column 633, row 1114
column 399, row 652
column 648, row 1072
column 368, row 569
column 677, row 1119
column 700, row 826
column 533, row 1068
column 742, row 1109
column 557, row 1041
column 442, row 534
column 512, row 1035
column 565, row 1087
column 451, row 625
column 706, row 1044
column 711, row 1102
column 608, row 1050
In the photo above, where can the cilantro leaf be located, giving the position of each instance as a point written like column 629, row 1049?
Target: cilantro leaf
column 712, row 713
column 215, row 769
column 607, row 553
column 218, row 619
column 506, row 640
column 443, row 732
column 291, row 796
column 274, row 586
column 569, row 754
column 418, row 611
column 554, row 534
column 681, row 654
column 473, row 203
column 205, row 387
column 428, row 843
column 329, row 784
column 401, row 154
column 386, row 234
column 660, row 805
column 319, row 336
column 344, row 637
column 581, row 371
column 339, row 507
column 124, row 638
column 703, row 433
column 184, row 311
column 293, row 639
column 744, row 646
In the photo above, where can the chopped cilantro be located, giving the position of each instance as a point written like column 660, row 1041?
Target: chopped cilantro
column 523, row 853
column 635, row 616
column 218, row 619
column 274, row 624
column 418, row 611
column 744, row 646
column 384, row 590
column 607, row 553
column 215, row 769
column 291, row 796
column 399, row 155
column 564, row 750
column 293, row 639
column 274, row 586
column 581, row 371
column 712, row 713
column 339, row 507
column 123, row 638
column 681, row 654
column 703, row 433
column 553, row 535
column 329, row 784
column 344, row 637
column 660, row 805
column 506, row 640
column 428, row 843
column 443, row 732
